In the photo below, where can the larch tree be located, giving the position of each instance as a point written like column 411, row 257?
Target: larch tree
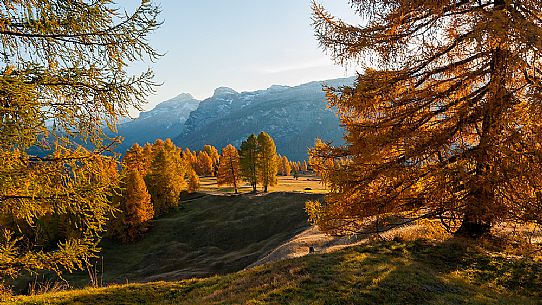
column 136, row 209
column 205, row 164
column 148, row 154
column 446, row 119
column 304, row 167
column 285, row 168
column 191, row 175
column 267, row 162
column 190, row 158
column 248, row 160
column 294, row 167
column 215, row 157
column 62, row 75
column 165, row 178
column 229, row 170
column 136, row 158
column 192, row 179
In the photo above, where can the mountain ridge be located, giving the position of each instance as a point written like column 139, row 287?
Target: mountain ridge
column 293, row 115
column 165, row 120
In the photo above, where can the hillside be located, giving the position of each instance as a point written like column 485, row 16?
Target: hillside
column 207, row 235
column 379, row 273
column 293, row 116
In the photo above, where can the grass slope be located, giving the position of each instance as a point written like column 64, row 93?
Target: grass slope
column 209, row 234
column 379, row 273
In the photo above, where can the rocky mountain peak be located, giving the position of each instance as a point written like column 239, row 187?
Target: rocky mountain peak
column 278, row 88
column 184, row 97
column 224, row 91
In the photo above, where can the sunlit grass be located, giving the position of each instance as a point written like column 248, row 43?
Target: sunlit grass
column 304, row 184
column 416, row 272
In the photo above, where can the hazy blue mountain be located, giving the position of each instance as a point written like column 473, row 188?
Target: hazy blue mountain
column 166, row 120
column 293, row 116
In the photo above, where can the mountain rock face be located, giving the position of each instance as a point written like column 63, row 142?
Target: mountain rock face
column 166, row 120
column 293, row 116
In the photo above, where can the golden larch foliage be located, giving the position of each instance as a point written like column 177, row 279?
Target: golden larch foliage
column 446, row 119
column 166, row 177
column 229, row 170
column 284, row 166
column 136, row 209
column 267, row 162
column 205, row 164
column 63, row 76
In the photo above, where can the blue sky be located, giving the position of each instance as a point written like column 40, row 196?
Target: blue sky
column 243, row 44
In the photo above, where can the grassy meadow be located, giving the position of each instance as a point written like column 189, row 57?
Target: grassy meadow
column 208, row 235
column 392, row 272
column 304, row 184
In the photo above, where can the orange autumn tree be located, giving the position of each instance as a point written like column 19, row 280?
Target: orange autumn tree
column 64, row 76
column 165, row 178
column 136, row 209
column 267, row 163
column 191, row 176
column 229, row 170
column 204, row 166
column 284, row 166
column 133, row 200
column 304, row 167
column 213, row 154
column 137, row 158
column 446, row 119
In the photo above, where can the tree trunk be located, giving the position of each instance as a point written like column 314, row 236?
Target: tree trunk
column 473, row 228
column 232, row 168
column 478, row 216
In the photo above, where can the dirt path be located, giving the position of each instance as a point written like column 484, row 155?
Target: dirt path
column 300, row 244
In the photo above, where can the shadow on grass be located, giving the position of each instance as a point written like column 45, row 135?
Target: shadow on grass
column 207, row 235
column 393, row 273
column 381, row 273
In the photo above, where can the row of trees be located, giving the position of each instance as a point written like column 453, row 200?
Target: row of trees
column 204, row 162
column 256, row 162
column 153, row 178
column 286, row 167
